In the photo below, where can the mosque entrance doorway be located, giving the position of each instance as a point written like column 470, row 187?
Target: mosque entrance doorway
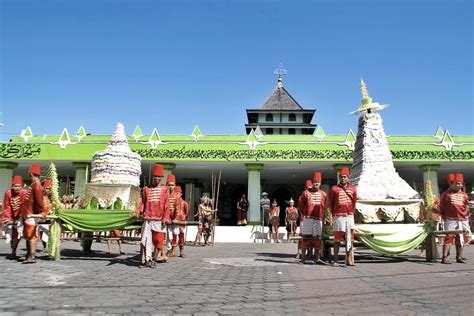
column 282, row 195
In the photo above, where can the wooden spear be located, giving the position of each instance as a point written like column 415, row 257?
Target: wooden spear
column 215, row 210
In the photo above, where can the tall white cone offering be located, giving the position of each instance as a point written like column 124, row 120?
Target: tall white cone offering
column 383, row 196
column 117, row 164
column 373, row 172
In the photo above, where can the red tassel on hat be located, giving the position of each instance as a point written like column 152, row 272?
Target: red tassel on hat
column 178, row 189
column 308, row 184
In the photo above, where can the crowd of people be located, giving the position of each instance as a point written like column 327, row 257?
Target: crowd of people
column 317, row 208
column 165, row 213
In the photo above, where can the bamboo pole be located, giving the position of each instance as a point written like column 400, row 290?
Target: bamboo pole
column 190, row 207
column 99, row 237
column 41, row 216
column 215, row 209
column 363, row 235
column 446, row 232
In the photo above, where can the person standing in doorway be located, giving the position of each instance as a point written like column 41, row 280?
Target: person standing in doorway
column 242, row 209
column 265, row 205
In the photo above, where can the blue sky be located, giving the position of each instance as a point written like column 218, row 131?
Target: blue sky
column 175, row 64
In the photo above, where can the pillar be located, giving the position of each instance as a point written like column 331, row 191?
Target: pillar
column 190, row 195
column 6, row 174
column 253, row 192
column 430, row 173
column 168, row 169
column 82, row 177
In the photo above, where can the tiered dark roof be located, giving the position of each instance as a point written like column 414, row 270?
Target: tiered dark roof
column 280, row 99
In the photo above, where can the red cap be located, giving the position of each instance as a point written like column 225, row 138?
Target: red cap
column 450, row 177
column 35, row 169
column 308, row 184
column 171, row 178
column 344, row 171
column 47, row 183
column 158, row 170
column 178, row 189
column 17, row 180
column 458, row 177
column 317, row 176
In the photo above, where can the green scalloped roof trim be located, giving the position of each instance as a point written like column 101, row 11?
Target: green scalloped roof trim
column 350, row 137
column 319, row 132
column 243, row 138
column 154, row 137
column 196, row 132
column 447, row 138
column 252, row 137
column 137, row 132
column 27, row 132
column 81, row 132
column 64, row 136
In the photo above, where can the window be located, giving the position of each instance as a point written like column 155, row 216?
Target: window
column 291, row 131
column 253, row 118
column 292, row 117
column 269, row 131
column 269, row 117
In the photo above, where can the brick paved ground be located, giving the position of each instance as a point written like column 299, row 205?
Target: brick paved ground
column 233, row 279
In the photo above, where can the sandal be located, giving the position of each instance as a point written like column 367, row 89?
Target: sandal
column 12, row 257
column 29, row 259
column 445, row 260
column 320, row 262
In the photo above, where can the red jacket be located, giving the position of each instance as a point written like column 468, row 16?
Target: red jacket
column 33, row 202
column 453, row 205
column 11, row 209
column 342, row 200
column 312, row 203
column 174, row 201
column 155, row 204
column 182, row 211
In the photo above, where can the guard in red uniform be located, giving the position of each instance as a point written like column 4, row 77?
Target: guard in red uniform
column 291, row 218
column 312, row 203
column 174, row 204
column 43, row 228
column 155, row 206
column 342, row 203
column 275, row 219
column 454, row 210
column 307, row 186
column 181, row 214
column 32, row 204
column 11, row 211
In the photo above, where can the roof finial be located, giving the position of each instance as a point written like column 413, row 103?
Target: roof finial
column 367, row 104
column 366, row 99
column 280, row 71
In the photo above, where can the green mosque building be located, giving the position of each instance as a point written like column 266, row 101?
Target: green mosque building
column 279, row 150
